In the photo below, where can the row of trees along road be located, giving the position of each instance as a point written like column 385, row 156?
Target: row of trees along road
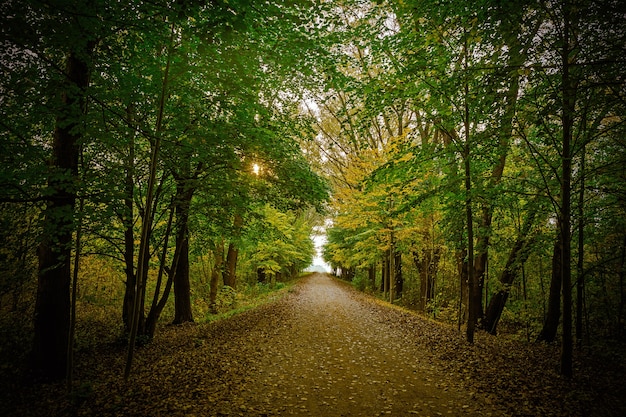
column 477, row 156
column 475, row 153
column 144, row 136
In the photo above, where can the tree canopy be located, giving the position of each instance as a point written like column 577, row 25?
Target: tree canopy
column 469, row 158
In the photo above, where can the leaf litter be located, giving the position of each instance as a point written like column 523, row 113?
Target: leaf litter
column 327, row 350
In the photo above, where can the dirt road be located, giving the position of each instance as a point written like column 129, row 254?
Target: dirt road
column 323, row 349
column 339, row 354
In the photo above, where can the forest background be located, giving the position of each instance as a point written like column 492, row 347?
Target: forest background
column 467, row 161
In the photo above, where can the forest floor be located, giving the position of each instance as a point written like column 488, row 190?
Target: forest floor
column 325, row 349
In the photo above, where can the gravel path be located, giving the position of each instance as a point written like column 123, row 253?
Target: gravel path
column 337, row 353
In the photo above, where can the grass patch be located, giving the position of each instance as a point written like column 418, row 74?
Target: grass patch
column 251, row 297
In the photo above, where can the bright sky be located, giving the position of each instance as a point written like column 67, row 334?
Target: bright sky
column 319, row 240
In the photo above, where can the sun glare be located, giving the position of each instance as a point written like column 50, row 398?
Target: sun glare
column 256, row 169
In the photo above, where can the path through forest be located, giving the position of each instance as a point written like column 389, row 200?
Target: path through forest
column 323, row 349
column 339, row 355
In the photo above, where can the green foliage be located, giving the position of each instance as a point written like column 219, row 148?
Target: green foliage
column 409, row 78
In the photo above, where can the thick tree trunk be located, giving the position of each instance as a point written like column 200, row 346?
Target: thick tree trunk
column 52, row 307
column 182, row 288
column 230, row 278
column 230, row 270
column 553, row 315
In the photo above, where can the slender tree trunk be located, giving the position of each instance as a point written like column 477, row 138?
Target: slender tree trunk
column 153, row 316
column 474, row 291
column 505, row 135
column 159, row 303
column 52, row 307
column 433, row 268
column 569, row 102
column 399, row 279
column 553, row 314
column 419, row 262
column 517, row 257
column 386, row 273
column 392, row 274
column 215, row 276
column 182, row 287
column 622, row 295
column 146, row 226
column 580, row 270
column 74, row 296
column 129, row 235
column 427, row 265
column 462, row 270
column 371, row 274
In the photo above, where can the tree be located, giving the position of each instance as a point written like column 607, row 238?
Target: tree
column 53, row 303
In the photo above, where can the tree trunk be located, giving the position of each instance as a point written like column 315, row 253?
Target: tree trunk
column 622, row 301
column 371, row 275
column 230, row 271
column 146, row 226
column 433, row 268
column 392, row 274
column 261, row 276
column 505, row 134
column 419, row 262
column 158, row 304
column 182, row 287
column 399, row 279
column 215, row 276
column 129, row 236
column 569, row 104
column 517, row 257
column 52, row 307
column 231, row 266
column 385, row 281
column 553, row 315
column 427, row 264
column 580, row 269
column 462, row 270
